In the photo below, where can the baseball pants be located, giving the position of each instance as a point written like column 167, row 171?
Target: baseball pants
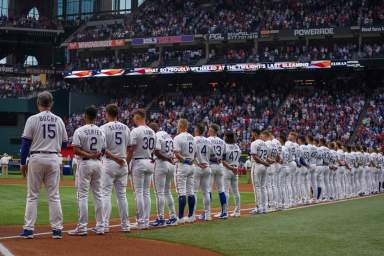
column 142, row 171
column 284, row 173
column 313, row 180
column 163, row 178
column 276, row 186
column 88, row 176
column 202, row 182
column 43, row 169
column 326, row 179
column 292, row 189
column 115, row 176
column 231, row 182
column 217, row 172
column 259, row 173
column 269, row 185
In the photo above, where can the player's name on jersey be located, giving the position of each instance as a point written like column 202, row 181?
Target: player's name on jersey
column 89, row 132
column 48, row 118
column 117, row 127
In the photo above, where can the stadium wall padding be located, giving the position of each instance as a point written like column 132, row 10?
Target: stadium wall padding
column 78, row 101
column 8, row 133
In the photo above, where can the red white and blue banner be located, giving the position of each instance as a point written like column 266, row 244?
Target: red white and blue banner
column 242, row 67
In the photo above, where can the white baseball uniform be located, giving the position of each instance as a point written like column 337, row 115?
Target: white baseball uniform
column 89, row 138
column 260, row 149
column 293, row 148
column 312, row 171
column 218, row 146
column 276, row 151
column 202, row 176
column 143, row 141
column 117, row 138
column 164, row 174
column 231, row 180
column 47, row 132
column 185, row 146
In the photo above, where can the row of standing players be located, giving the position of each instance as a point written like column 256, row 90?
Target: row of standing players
column 108, row 153
column 303, row 170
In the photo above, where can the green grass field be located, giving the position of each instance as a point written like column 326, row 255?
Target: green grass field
column 12, row 201
column 346, row 228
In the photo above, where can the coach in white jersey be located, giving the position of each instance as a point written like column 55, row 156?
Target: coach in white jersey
column 218, row 146
column 117, row 137
column 142, row 146
column 89, row 144
column 231, row 163
column 202, row 176
column 44, row 135
column 164, row 176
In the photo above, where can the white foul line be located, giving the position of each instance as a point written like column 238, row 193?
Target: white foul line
column 4, row 251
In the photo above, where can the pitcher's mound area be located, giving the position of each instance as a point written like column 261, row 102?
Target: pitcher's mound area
column 110, row 244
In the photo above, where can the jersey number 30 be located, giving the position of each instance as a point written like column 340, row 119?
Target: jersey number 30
column 149, row 143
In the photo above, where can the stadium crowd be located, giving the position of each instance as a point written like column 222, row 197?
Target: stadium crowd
column 371, row 131
column 321, row 113
column 167, row 18
column 125, row 58
column 11, row 88
column 28, row 22
column 108, row 59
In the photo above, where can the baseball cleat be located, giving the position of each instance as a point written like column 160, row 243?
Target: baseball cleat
column 133, row 225
column 223, row 215
column 27, row 234
column 235, row 214
column 217, row 215
column 142, row 225
column 57, row 234
column 172, row 221
column 77, row 232
column 254, row 211
column 202, row 216
column 158, row 223
column 191, row 219
column 97, row 231
column 106, row 230
column 125, row 229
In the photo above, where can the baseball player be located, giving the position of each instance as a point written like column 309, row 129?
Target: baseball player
column 142, row 146
column 231, row 163
column 4, row 161
column 89, row 144
column 259, row 153
column 163, row 176
column 270, row 171
column 312, row 168
column 218, row 146
column 43, row 137
column 304, row 178
column 284, row 173
column 324, row 178
column 341, row 171
column 332, row 170
column 185, row 153
column 276, row 164
column 115, row 174
column 293, row 148
column 202, row 175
